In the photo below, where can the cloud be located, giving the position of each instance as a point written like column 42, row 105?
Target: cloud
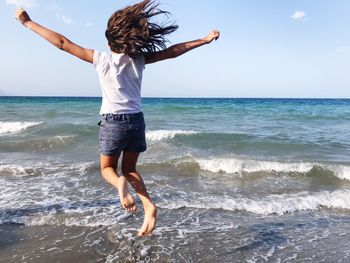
column 341, row 50
column 59, row 13
column 22, row 3
column 88, row 24
column 64, row 19
column 299, row 15
column 55, row 7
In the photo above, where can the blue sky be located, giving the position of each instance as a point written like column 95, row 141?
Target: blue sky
column 272, row 48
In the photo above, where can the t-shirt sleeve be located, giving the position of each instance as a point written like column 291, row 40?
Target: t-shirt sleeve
column 99, row 59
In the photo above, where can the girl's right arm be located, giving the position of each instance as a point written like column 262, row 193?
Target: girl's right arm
column 180, row 49
column 54, row 38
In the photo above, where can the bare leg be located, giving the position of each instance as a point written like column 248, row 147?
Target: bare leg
column 109, row 172
column 129, row 171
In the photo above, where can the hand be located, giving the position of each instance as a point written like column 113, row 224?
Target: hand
column 22, row 16
column 213, row 35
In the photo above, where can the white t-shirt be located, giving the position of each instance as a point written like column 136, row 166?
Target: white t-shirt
column 120, row 79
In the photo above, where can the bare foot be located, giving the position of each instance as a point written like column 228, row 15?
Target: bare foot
column 126, row 199
column 149, row 222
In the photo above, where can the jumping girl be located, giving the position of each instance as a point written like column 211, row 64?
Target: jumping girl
column 134, row 41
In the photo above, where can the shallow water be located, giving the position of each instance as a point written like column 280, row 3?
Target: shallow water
column 235, row 180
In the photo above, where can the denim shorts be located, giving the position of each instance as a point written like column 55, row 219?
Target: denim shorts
column 122, row 132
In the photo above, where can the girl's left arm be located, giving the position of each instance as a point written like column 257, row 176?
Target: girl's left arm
column 181, row 48
column 54, row 38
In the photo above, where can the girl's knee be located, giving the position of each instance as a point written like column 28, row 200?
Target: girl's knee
column 104, row 168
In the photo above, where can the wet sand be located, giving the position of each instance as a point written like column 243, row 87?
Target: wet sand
column 46, row 244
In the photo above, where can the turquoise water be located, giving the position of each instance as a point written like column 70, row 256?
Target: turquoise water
column 253, row 180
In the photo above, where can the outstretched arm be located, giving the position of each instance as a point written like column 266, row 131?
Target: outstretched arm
column 54, row 38
column 181, row 48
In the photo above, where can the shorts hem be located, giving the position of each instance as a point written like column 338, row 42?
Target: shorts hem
column 125, row 150
column 110, row 154
column 135, row 151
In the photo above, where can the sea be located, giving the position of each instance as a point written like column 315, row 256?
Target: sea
column 235, row 180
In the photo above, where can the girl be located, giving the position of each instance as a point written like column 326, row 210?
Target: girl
column 134, row 41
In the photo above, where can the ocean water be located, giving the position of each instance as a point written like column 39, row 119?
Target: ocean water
column 235, row 180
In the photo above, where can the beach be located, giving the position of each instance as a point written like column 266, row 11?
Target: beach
column 235, row 180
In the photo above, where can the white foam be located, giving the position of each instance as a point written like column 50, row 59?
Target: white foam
column 159, row 135
column 56, row 141
column 93, row 216
column 29, row 169
column 63, row 139
column 12, row 169
column 16, row 127
column 341, row 171
column 232, row 165
column 89, row 217
column 280, row 204
column 273, row 204
column 239, row 166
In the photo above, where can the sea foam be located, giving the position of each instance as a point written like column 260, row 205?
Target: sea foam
column 93, row 215
column 235, row 165
column 159, row 135
column 272, row 204
column 39, row 169
column 342, row 171
column 16, row 127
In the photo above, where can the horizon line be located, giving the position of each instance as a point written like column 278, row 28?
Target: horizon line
column 151, row 97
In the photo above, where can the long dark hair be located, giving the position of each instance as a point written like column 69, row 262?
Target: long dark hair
column 130, row 31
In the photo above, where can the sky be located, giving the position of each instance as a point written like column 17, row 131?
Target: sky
column 267, row 49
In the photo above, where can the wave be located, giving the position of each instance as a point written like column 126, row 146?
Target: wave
column 249, row 166
column 16, row 127
column 39, row 169
column 343, row 172
column 159, row 135
column 233, row 165
column 40, row 143
column 106, row 213
column 243, row 143
column 273, row 204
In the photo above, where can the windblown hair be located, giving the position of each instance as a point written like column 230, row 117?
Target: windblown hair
column 129, row 30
